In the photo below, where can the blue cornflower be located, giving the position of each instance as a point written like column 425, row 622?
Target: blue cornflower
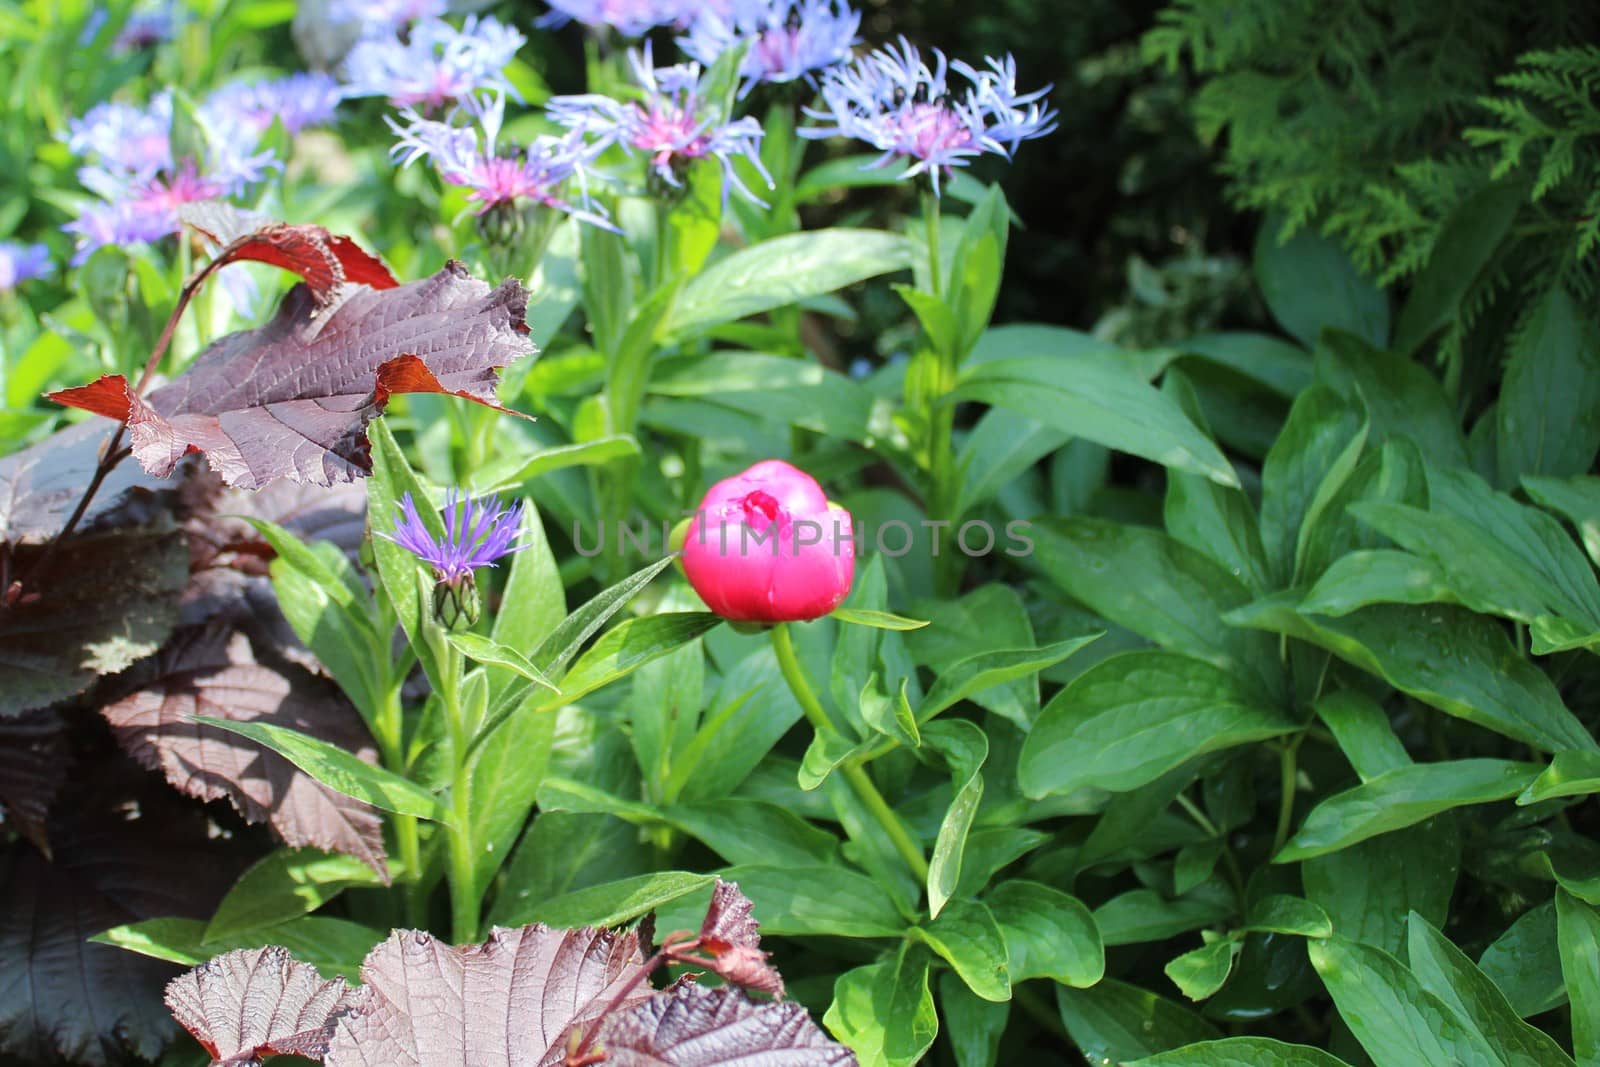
column 789, row 39
column 20, row 262
column 907, row 110
column 145, row 27
column 436, row 64
column 476, row 534
column 631, row 18
column 299, row 100
column 131, row 167
column 673, row 123
column 384, row 15
column 495, row 176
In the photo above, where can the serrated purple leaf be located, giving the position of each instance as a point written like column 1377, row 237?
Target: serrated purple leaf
column 693, row 1027
column 255, row 1002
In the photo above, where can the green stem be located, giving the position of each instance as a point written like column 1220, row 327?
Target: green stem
column 854, row 773
column 940, row 416
column 1287, row 771
column 930, row 216
column 390, row 735
column 462, row 873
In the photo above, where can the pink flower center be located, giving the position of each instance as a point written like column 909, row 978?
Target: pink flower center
column 928, row 130
column 186, row 186
column 667, row 131
column 776, row 49
column 761, row 509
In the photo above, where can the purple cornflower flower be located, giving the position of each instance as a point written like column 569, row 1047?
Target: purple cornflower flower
column 631, row 18
column 476, row 534
column 789, row 39
column 436, row 64
column 146, row 26
column 300, row 100
column 673, row 124
column 899, row 105
column 385, row 15
column 141, row 185
column 19, row 262
column 494, row 175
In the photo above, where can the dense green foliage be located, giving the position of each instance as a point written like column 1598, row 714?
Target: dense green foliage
column 1276, row 744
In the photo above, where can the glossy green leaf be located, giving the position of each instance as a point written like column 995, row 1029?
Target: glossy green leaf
column 612, row 903
column 1402, row 398
column 1459, row 662
column 1403, row 797
column 1242, row 1052
column 514, row 473
column 1048, row 933
column 1132, row 718
column 488, row 651
column 1397, row 1021
column 1446, row 972
column 1141, row 915
column 1312, row 458
column 972, row 675
column 1525, row 962
column 1280, row 913
column 973, row 1026
column 1101, row 398
column 964, row 748
column 1548, row 414
column 884, row 1011
column 1377, row 576
column 817, row 901
column 1200, row 973
column 1368, row 888
column 335, row 947
column 879, row 620
column 1576, row 498
column 285, row 885
column 1363, row 731
column 1465, row 244
column 966, row 935
column 1570, row 774
column 630, row 645
column 338, row 769
column 890, row 715
column 392, row 478
column 1114, row 1022
column 1578, row 931
column 785, row 270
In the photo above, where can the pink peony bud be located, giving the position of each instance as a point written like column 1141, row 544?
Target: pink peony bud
column 767, row 546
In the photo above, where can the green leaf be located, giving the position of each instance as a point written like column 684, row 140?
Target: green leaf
column 341, row 637
column 798, row 392
column 817, row 901
column 1141, row 915
column 285, row 885
column 1242, row 1052
column 486, row 650
column 1459, row 662
column 1403, row 797
column 1570, row 774
column 534, row 600
column 557, row 650
column 1397, row 1021
column 1402, row 398
column 824, row 755
column 969, row 939
column 1280, row 913
column 1377, row 576
column 1448, row 974
column 1578, row 930
column 1576, row 498
column 612, row 903
column 984, row 670
column 973, row 1026
column 1048, row 934
column 884, row 1011
column 338, row 769
column 503, row 779
column 1114, row 1022
column 392, row 478
column 879, row 620
column 1525, row 962
column 1159, row 588
column 1200, row 973
column 1282, row 367
column 998, row 450
column 1465, row 244
column 890, row 715
column 1362, row 729
column 1368, row 888
column 335, row 947
column 513, row 473
column 783, row 271
column 1130, row 719
column 1310, row 284
column 1548, row 414
column 629, row 646
column 964, row 747
column 1101, row 398
column 1311, row 460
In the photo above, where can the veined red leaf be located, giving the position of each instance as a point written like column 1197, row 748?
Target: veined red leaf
column 292, row 399
column 251, row 1003
column 512, row 1000
column 325, row 260
column 693, row 1027
column 212, row 672
column 729, row 936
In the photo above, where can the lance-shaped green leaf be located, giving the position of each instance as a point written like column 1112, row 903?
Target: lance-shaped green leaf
column 610, row 903
column 1403, row 797
column 629, row 646
column 1113, row 1022
column 890, row 715
column 1449, row 657
column 285, row 885
column 488, row 651
column 964, row 748
column 1578, row 931
column 1280, row 913
column 339, row 770
column 1570, row 774
column 1363, row 731
column 1448, row 974
column 1525, row 962
column 1242, row 1052
column 1132, row 718
column 879, row 620
column 513, row 473
column 398, row 570
column 977, row 673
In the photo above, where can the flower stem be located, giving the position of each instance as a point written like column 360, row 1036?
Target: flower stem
column 940, row 417
column 1287, row 770
column 461, row 867
column 854, row 773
